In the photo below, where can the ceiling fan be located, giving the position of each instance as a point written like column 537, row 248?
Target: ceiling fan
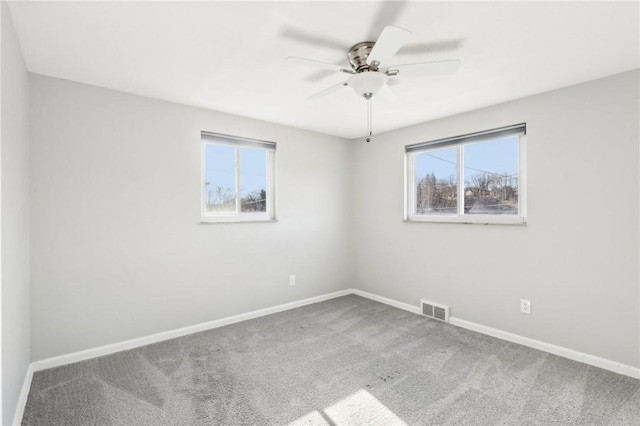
column 371, row 68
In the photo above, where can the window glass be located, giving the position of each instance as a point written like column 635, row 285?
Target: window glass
column 253, row 180
column 220, row 178
column 491, row 177
column 436, row 182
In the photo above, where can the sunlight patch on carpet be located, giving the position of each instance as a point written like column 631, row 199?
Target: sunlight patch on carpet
column 360, row 408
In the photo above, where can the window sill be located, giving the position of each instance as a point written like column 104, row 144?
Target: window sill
column 218, row 220
column 519, row 221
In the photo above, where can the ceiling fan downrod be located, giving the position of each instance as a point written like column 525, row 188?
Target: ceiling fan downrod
column 368, row 97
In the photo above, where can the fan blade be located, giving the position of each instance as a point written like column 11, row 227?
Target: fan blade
column 389, row 42
column 314, row 63
column 328, row 90
column 387, row 13
column 386, row 94
column 425, row 68
column 393, row 82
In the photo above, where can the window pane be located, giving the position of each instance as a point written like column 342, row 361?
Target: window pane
column 253, row 180
column 220, row 179
column 491, row 177
column 436, row 182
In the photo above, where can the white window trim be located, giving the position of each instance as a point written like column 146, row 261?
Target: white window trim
column 460, row 217
column 238, row 216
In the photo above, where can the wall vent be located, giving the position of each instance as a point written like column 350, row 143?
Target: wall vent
column 435, row 310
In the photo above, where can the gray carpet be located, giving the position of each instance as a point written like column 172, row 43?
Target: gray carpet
column 344, row 361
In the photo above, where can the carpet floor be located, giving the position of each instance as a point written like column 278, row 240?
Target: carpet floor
column 346, row 361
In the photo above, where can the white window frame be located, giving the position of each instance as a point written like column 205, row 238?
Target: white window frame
column 208, row 138
column 459, row 142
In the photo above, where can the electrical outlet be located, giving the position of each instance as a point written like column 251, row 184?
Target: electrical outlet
column 292, row 280
column 525, row 306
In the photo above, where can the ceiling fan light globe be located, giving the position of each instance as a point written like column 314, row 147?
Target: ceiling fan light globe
column 367, row 82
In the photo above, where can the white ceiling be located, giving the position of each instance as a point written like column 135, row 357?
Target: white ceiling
column 229, row 56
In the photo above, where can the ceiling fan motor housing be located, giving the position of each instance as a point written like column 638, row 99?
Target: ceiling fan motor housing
column 358, row 56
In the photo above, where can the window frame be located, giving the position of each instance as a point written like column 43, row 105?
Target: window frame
column 459, row 142
column 208, row 138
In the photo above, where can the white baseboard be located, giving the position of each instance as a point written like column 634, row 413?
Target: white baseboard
column 596, row 361
column 387, row 301
column 171, row 334
column 22, row 399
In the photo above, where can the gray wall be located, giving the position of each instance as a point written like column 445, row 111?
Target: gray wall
column 576, row 259
column 15, row 218
column 117, row 248
column 118, row 253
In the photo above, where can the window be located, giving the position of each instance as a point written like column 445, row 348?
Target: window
column 475, row 178
column 237, row 179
